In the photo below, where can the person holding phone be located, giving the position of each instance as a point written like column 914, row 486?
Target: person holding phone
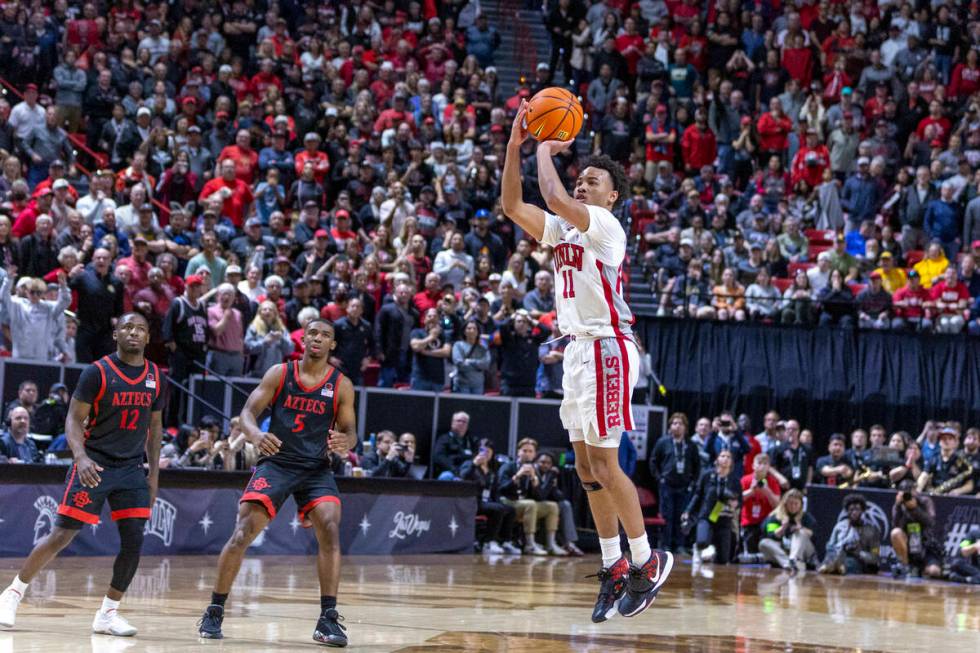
column 268, row 339
column 482, row 469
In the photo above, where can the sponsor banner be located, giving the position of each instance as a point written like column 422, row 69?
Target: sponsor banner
column 955, row 516
column 199, row 521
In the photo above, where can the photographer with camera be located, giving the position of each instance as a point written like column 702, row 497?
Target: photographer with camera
column 676, row 465
column 918, row 550
column 786, row 534
column 389, row 458
column 712, row 508
column 760, row 495
column 853, row 547
column 728, row 437
column 520, row 488
column 482, row 469
column 964, row 566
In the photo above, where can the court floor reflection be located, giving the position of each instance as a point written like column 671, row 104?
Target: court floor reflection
column 473, row 603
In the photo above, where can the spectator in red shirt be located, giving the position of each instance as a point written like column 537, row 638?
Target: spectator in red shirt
column 265, row 78
column 26, row 220
column 236, row 195
column 909, row 304
column 396, row 115
column 311, row 152
column 760, row 496
column 966, row 77
column 630, row 45
column 138, row 266
column 774, row 128
column 951, row 300
column 810, row 161
column 246, row 159
column 429, row 297
column 798, row 60
column 341, row 232
column 935, row 117
column 698, row 144
column 383, row 88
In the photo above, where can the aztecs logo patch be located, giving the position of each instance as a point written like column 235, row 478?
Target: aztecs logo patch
column 81, row 499
column 260, row 484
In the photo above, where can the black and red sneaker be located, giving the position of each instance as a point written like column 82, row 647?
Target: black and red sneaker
column 645, row 582
column 612, row 586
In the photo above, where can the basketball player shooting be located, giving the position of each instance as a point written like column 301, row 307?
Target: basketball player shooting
column 113, row 418
column 309, row 398
column 601, row 362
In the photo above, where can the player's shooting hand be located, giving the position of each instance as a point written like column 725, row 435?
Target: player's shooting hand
column 339, row 442
column 268, row 444
column 552, row 147
column 518, row 131
column 88, row 472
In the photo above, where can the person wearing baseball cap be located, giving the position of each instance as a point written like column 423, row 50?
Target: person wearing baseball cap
column 949, row 472
column 908, row 304
column 892, row 276
column 874, row 304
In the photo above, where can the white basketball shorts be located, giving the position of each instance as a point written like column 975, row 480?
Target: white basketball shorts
column 598, row 382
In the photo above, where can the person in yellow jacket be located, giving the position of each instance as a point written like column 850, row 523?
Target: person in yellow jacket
column 892, row 276
column 931, row 268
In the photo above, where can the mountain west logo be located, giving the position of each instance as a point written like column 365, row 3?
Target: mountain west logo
column 873, row 515
column 46, row 508
column 407, row 524
column 161, row 521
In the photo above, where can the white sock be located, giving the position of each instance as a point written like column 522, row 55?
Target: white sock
column 18, row 585
column 108, row 604
column 611, row 551
column 639, row 550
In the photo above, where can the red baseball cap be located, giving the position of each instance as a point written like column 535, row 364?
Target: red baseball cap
column 30, row 87
column 342, row 213
column 194, row 280
column 975, row 244
column 321, row 233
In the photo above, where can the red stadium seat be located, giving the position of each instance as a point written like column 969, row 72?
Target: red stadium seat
column 914, row 256
column 793, row 267
column 819, row 236
column 815, row 250
column 781, row 284
column 648, row 504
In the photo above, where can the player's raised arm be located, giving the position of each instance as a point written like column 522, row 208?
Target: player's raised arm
column 257, row 402
column 343, row 438
column 529, row 217
column 553, row 191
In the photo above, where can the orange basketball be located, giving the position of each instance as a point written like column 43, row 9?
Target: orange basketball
column 554, row 114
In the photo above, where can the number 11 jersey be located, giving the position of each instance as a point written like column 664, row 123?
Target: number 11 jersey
column 588, row 275
column 123, row 397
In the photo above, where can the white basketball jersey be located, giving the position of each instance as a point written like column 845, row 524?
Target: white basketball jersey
column 588, row 275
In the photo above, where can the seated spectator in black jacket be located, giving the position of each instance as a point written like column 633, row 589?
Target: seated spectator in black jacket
column 520, row 487
column 712, row 507
column 482, row 469
column 913, row 535
column 549, row 474
column 355, row 342
column 964, row 566
column 453, row 449
column 15, row 444
column 836, row 302
column 388, row 458
column 519, row 341
column 26, row 397
column 834, row 468
column 874, row 305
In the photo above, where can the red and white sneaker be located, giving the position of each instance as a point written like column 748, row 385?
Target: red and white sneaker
column 645, row 582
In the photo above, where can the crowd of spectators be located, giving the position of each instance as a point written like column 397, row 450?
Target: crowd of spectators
column 807, row 162
column 731, row 495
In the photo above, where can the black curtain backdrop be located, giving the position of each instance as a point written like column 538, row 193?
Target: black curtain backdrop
column 829, row 379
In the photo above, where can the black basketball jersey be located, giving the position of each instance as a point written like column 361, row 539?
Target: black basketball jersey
column 302, row 417
column 122, row 399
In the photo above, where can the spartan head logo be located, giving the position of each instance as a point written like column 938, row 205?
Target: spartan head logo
column 46, row 508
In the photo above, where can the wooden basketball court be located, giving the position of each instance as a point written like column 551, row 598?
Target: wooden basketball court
column 474, row 603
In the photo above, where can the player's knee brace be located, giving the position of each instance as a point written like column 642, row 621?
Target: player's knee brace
column 128, row 560
column 591, row 486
